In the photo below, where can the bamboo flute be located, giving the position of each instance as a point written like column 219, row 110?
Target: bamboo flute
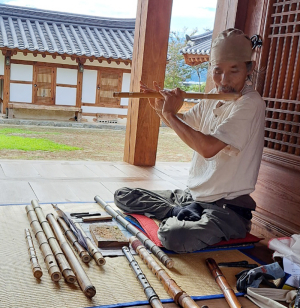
column 36, row 269
column 164, row 259
column 83, row 254
column 179, row 296
column 59, row 256
column 151, row 295
column 93, row 250
column 39, row 234
column 187, row 95
column 223, row 284
column 83, row 280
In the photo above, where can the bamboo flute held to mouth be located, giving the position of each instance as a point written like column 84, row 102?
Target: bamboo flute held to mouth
column 187, row 95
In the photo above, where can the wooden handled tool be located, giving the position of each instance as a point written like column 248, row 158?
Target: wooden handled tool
column 188, row 95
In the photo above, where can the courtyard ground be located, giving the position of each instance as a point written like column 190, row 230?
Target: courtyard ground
column 95, row 144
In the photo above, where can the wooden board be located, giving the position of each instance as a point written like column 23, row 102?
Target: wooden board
column 107, row 236
column 43, row 107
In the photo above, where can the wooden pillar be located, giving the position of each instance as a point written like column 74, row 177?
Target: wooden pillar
column 79, row 88
column 6, row 81
column 148, row 64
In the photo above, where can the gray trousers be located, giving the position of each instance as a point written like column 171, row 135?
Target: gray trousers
column 217, row 222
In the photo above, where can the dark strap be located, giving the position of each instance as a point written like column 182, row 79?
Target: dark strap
column 244, row 201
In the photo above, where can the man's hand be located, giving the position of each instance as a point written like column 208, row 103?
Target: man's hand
column 173, row 101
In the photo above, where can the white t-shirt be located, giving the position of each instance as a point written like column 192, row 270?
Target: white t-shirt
column 240, row 124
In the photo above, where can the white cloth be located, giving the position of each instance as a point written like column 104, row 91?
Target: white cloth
column 240, row 124
column 288, row 247
column 266, row 297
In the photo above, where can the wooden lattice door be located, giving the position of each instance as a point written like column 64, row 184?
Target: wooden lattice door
column 108, row 82
column 281, row 88
column 44, row 87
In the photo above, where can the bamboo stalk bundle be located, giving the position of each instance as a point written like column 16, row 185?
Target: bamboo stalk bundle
column 59, row 256
column 83, row 280
column 223, row 284
column 93, row 250
column 164, row 259
column 187, row 95
column 39, row 234
column 179, row 296
column 83, row 254
column 36, row 269
column 151, row 295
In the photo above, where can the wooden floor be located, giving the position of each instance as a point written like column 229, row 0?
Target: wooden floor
column 67, row 181
column 58, row 181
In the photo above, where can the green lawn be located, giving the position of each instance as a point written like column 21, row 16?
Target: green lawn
column 10, row 139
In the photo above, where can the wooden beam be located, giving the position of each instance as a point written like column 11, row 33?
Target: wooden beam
column 6, row 83
column 149, row 59
column 79, row 89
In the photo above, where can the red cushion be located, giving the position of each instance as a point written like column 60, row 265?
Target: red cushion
column 151, row 228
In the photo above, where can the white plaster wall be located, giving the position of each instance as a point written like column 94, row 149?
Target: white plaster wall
column 89, row 84
column 21, row 72
column 125, row 87
column 66, row 76
column 88, row 109
column 2, row 59
column 65, row 96
column 20, row 93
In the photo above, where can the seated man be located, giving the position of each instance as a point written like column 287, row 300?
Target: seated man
column 227, row 138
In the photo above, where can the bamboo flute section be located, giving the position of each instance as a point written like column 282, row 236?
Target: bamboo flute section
column 151, row 295
column 223, row 284
column 39, row 234
column 83, row 254
column 83, row 280
column 162, row 257
column 63, row 264
column 179, row 296
column 36, row 269
column 93, row 250
column 186, row 95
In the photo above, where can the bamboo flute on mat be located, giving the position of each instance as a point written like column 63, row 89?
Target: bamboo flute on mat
column 164, row 259
column 223, row 284
column 39, row 234
column 179, row 296
column 36, row 269
column 93, row 250
column 151, row 295
column 63, row 264
column 85, row 284
column 187, row 95
column 83, row 254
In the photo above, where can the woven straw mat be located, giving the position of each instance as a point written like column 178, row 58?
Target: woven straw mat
column 115, row 282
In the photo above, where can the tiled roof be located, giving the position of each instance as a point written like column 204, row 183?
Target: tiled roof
column 64, row 33
column 198, row 44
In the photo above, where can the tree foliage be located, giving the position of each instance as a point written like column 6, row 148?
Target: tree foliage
column 176, row 70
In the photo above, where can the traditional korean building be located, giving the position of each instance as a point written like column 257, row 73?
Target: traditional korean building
column 197, row 48
column 63, row 63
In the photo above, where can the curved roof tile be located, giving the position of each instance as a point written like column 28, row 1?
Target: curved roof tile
column 65, row 33
column 198, row 44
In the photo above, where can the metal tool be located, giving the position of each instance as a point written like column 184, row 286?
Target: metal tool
column 74, row 214
column 244, row 264
column 87, row 215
